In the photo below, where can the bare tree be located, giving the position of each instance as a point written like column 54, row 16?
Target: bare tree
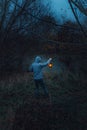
column 76, row 17
column 17, row 21
column 81, row 5
column 10, row 15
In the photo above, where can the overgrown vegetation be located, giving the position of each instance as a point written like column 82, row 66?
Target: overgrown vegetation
column 27, row 28
column 68, row 95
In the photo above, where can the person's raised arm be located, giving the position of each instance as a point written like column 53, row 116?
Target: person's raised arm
column 46, row 63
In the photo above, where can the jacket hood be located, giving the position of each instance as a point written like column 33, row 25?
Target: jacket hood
column 38, row 59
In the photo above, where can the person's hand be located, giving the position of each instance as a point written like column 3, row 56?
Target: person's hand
column 50, row 59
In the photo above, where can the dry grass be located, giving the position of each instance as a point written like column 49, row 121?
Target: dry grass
column 65, row 89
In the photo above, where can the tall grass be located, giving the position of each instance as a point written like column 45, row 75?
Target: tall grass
column 18, row 89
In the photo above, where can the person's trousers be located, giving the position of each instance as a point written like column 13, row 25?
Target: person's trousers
column 40, row 83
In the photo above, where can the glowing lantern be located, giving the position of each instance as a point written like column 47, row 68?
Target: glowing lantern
column 50, row 65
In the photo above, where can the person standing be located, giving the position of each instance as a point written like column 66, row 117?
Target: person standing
column 37, row 69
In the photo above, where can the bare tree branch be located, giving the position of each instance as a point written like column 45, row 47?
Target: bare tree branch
column 80, row 6
column 77, row 19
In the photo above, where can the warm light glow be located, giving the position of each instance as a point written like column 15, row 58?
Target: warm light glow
column 50, row 65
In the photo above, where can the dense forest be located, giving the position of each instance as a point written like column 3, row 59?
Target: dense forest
column 27, row 25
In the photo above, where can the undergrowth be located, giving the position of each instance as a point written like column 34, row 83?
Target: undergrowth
column 66, row 87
